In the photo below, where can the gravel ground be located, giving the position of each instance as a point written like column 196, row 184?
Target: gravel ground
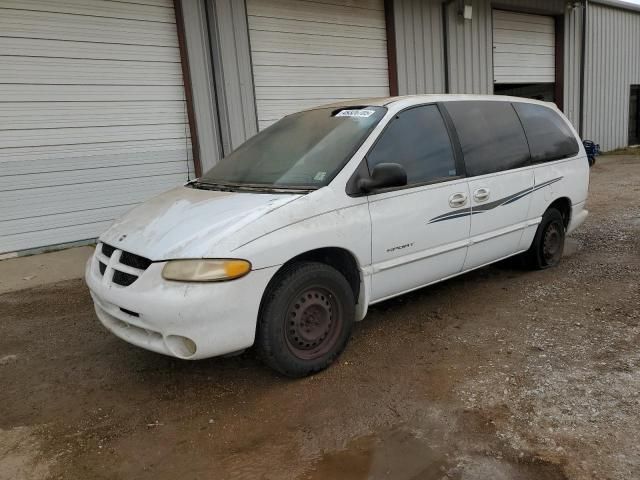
column 501, row 374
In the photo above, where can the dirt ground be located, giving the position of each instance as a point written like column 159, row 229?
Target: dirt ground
column 498, row 374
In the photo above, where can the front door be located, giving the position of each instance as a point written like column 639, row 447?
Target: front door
column 419, row 232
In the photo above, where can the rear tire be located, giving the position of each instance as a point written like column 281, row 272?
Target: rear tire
column 548, row 243
column 305, row 320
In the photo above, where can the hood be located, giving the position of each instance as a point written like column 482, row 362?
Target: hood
column 189, row 223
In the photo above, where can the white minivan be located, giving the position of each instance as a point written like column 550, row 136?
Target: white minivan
column 288, row 240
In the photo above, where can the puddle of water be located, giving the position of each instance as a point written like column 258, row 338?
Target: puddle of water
column 399, row 455
column 498, row 469
column 396, row 454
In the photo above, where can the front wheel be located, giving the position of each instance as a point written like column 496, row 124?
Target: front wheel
column 548, row 243
column 306, row 319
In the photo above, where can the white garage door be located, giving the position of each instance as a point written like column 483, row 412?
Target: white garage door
column 308, row 53
column 92, row 115
column 523, row 48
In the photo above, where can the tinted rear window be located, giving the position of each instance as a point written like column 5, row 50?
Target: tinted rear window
column 549, row 136
column 490, row 135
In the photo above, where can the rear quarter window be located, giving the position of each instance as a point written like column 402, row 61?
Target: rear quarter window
column 549, row 136
column 490, row 135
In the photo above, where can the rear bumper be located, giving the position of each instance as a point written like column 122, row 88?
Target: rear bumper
column 578, row 216
column 164, row 316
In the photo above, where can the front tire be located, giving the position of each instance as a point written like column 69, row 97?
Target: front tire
column 306, row 319
column 548, row 243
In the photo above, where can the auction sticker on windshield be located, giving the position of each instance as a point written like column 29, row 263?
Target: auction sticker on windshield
column 355, row 113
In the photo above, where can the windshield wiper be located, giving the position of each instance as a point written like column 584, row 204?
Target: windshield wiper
column 266, row 189
column 235, row 187
column 210, row 186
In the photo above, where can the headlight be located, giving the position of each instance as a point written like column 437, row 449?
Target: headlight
column 204, row 270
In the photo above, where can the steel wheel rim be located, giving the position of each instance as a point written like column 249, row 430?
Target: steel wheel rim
column 313, row 323
column 552, row 245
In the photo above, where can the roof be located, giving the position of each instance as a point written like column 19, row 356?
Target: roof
column 619, row 4
column 408, row 100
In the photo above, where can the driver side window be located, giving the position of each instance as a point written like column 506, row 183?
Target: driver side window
column 418, row 140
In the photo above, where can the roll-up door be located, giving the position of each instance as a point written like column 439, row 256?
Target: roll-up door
column 523, row 48
column 92, row 115
column 307, row 53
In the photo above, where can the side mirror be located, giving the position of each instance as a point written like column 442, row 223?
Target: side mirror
column 384, row 175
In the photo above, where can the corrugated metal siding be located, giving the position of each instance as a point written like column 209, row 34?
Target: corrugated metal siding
column 420, row 52
column 470, row 42
column 196, row 31
column 418, row 28
column 613, row 65
column 308, row 53
column 232, row 71
column 93, row 115
column 470, row 64
column 572, row 64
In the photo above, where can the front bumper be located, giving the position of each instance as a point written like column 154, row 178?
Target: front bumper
column 165, row 316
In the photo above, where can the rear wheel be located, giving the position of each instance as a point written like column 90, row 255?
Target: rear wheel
column 548, row 243
column 306, row 319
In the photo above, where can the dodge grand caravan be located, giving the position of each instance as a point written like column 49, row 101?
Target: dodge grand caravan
column 288, row 240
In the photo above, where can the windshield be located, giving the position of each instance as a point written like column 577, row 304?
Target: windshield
column 306, row 149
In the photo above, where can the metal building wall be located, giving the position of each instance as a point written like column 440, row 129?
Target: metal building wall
column 232, row 70
column 572, row 64
column 217, row 41
column 612, row 65
column 420, row 53
column 470, row 42
column 470, row 49
column 612, row 61
column 202, row 83
column 420, row 50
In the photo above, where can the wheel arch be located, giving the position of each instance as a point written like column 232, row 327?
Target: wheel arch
column 339, row 258
column 563, row 205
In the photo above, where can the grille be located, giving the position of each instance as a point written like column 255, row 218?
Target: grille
column 122, row 278
column 129, row 312
column 107, row 250
column 135, row 261
column 120, row 267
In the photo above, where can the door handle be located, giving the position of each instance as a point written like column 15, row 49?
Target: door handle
column 481, row 194
column 458, row 200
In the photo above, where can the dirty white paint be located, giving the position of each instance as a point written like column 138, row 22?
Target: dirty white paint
column 268, row 230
